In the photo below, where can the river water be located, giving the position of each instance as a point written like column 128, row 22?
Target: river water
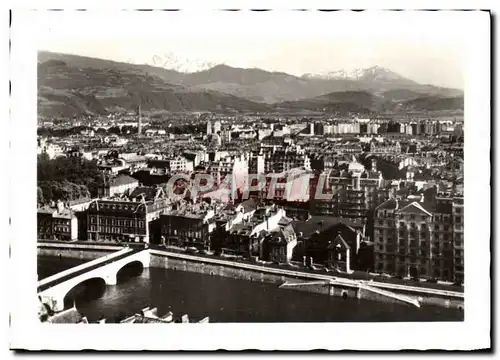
column 226, row 300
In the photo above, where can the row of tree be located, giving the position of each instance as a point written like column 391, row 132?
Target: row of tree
column 116, row 130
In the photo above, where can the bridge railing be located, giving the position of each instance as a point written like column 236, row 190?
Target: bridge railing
column 82, row 266
column 66, row 245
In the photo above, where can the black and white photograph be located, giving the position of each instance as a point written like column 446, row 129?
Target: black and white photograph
column 259, row 172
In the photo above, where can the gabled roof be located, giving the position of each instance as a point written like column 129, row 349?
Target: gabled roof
column 416, row 208
column 283, row 235
column 390, row 204
column 339, row 240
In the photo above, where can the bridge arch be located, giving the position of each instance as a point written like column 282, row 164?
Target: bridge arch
column 132, row 268
column 67, row 296
column 55, row 294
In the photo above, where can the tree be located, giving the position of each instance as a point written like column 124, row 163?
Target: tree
column 114, row 130
column 39, row 195
column 68, row 178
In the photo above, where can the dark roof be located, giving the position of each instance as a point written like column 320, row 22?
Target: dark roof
column 123, row 180
column 189, row 155
column 315, row 223
column 149, row 192
column 249, row 205
column 390, row 204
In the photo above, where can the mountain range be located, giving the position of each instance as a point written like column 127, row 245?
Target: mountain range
column 71, row 85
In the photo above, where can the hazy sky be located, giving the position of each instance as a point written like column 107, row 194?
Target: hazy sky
column 425, row 46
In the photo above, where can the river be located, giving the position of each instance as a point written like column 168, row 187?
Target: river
column 226, row 300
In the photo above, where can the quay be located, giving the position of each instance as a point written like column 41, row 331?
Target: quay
column 285, row 278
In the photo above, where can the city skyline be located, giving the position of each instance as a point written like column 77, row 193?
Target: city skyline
column 433, row 56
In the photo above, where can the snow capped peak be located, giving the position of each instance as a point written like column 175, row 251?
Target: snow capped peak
column 186, row 65
column 373, row 73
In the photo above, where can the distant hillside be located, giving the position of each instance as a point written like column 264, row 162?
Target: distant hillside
column 401, row 94
column 364, row 102
column 339, row 102
column 258, row 85
column 434, row 103
column 67, row 88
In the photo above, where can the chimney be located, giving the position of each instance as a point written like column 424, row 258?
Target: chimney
column 60, row 206
column 357, row 182
column 139, row 124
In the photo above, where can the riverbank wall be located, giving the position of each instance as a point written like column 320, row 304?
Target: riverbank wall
column 248, row 272
column 318, row 283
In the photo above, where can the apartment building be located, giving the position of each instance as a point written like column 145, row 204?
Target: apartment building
column 280, row 160
column 126, row 219
column 417, row 239
column 385, row 148
column 57, row 223
column 189, row 225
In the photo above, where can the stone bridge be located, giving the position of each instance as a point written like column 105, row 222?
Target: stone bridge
column 53, row 290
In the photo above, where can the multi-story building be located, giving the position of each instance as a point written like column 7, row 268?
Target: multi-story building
column 190, row 225
column 126, row 220
column 173, row 164
column 118, row 185
column 247, row 238
column 353, row 193
column 209, row 127
column 346, row 128
column 347, row 148
column 417, row 239
column 449, row 216
column 324, row 162
column 231, row 172
column 316, row 236
column 291, row 185
column 52, row 150
column 277, row 161
column 256, row 163
column 281, row 243
column 57, row 223
column 385, row 148
column 372, row 128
